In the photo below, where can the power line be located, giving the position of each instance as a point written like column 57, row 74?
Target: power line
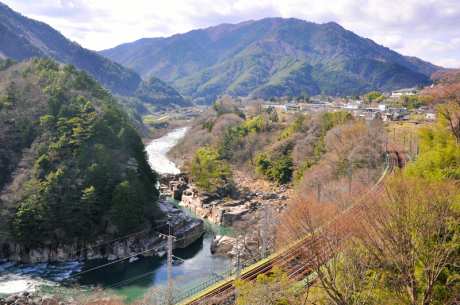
column 121, row 259
column 97, row 245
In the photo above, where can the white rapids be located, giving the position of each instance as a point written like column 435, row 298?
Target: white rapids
column 158, row 149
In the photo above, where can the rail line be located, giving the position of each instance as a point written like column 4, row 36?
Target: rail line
column 396, row 157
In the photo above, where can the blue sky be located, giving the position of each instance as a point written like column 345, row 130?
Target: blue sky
column 427, row 29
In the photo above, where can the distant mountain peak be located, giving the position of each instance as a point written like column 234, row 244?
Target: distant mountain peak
column 219, row 31
column 272, row 56
column 23, row 38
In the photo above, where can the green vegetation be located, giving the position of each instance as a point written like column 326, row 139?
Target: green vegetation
column 273, row 288
column 156, row 91
column 410, row 101
column 49, row 42
column 272, row 148
column 328, row 59
column 385, row 76
column 374, row 95
column 90, row 173
column 438, row 156
column 6, row 63
column 277, row 164
column 207, row 171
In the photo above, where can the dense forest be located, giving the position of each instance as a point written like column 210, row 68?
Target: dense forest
column 271, row 57
column 279, row 147
column 72, row 163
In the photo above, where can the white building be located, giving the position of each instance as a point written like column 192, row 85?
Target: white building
column 352, row 106
column 383, row 107
column 406, row 91
column 430, row 115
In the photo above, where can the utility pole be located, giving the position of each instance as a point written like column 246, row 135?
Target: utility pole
column 410, row 143
column 264, row 245
column 238, row 270
column 394, row 135
column 404, row 140
column 386, row 142
column 170, row 257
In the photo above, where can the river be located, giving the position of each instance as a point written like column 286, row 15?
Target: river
column 133, row 279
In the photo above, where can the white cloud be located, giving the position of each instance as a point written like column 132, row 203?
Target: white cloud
column 424, row 28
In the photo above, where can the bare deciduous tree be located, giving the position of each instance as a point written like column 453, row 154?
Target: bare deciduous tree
column 412, row 231
column 329, row 251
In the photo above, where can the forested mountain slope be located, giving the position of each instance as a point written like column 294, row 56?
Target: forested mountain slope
column 23, row 38
column 72, row 164
column 245, row 58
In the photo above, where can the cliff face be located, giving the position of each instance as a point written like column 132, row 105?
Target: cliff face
column 217, row 207
column 185, row 228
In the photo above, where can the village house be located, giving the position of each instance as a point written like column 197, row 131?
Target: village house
column 405, row 91
column 430, row 115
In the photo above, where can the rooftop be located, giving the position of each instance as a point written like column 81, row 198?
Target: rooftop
column 406, row 90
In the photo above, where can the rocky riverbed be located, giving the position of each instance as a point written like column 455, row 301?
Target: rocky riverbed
column 224, row 206
column 230, row 205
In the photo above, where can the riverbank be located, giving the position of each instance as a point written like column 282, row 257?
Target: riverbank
column 156, row 129
column 228, row 204
column 132, row 280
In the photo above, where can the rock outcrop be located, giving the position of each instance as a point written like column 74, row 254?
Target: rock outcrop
column 174, row 185
column 219, row 207
column 186, row 229
column 227, row 246
column 29, row 298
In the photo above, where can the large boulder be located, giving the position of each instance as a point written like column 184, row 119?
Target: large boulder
column 273, row 196
column 112, row 257
column 222, row 244
column 48, row 300
column 11, row 299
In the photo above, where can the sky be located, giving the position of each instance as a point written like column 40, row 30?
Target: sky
column 428, row 29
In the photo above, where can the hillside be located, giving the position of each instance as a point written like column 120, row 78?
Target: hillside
column 255, row 55
column 23, row 38
column 384, row 76
column 72, row 164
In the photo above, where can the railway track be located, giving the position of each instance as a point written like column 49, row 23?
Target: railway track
column 397, row 158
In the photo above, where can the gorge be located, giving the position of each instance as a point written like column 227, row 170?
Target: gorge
column 148, row 270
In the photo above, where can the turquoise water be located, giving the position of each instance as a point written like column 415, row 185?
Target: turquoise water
column 133, row 279
column 149, row 271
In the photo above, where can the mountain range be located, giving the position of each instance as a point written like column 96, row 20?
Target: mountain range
column 268, row 57
column 23, row 38
column 271, row 57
